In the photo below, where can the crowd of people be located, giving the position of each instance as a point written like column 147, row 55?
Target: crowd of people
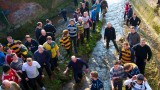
column 23, row 63
column 133, row 56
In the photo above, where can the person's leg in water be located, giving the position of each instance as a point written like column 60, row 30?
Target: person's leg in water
column 115, row 44
column 107, row 43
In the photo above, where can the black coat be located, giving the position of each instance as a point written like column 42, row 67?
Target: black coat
column 84, row 10
column 42, row 39
column 135, row 22
column 142, row 53
column 110, row 33
column 50, row 28
column 33, row 45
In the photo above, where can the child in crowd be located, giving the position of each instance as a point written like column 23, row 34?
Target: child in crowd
column 96, row 83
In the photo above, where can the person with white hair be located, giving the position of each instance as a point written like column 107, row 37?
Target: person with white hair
column 110, row 35
column 80, row 25
column 76, row 64
column 43, row 38
column 43, row 58
column 9, row 85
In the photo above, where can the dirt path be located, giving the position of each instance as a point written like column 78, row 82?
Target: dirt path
column 101, row 58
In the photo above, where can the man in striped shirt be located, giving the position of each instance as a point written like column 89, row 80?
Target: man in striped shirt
column 126, row 54
column 73, row 33
column 12, row 45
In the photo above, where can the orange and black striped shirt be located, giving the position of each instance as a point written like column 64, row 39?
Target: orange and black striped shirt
column 14, row 47
column 65, row 41
column 126, row 56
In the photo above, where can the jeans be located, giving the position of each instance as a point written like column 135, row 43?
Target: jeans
column 136, row 28
column 23, row 83
column 81, row 39
column 114, row 42
column 74, row 41
column 97, row 16
column 48, row 69
column 54, row 63
column 32, row 82
column 125, row 14
column 94, row 26
column 78, row 77
column 87, row 33
column 118, row 85
column 141, row 66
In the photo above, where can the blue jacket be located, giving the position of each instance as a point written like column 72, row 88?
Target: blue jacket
column 93, row 15
column 130, row 13
column 96, row 84
column 133, row 72
column 98, row 7
column 33, row 45
column 42, row 58
column 2, row 58
column 77, row 66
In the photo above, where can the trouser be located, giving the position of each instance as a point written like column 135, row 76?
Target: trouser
column 48, row 69
column 94, row 26
column 136, row 28
column 32, row 82
column 104, row 10
column 114, row 42
column 141, row 67
column 78, row 77
column 158, row 2
column 23, row 83
column 97, row 16
column 68, row 52
column 125, row 14
column 128, row 19
column 74, row 42
column 54, row 63
column 93, row 2
column 81, row 39
column 118, row 85
column 75, row 2
column 87, row 33
column 65, row 18
column 127, row 88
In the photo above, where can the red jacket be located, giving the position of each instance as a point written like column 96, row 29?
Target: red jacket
column 126, row 8
column 11, row 76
